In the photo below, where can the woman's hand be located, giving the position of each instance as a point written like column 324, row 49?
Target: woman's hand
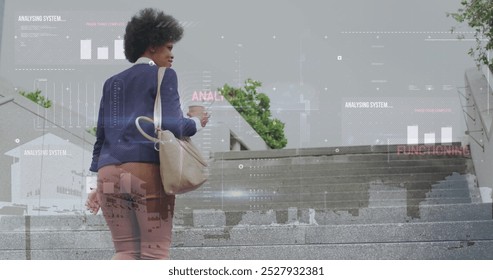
column 202, row 116
column 92, row 202
column 204, row 120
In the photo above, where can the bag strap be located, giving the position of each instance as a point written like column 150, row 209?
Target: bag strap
column 157, row 109
column 137, row 124
column 157, row 103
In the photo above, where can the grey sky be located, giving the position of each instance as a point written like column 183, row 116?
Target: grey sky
column 312, row 57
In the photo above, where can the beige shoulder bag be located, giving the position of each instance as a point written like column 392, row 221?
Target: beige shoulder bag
column 183, row 167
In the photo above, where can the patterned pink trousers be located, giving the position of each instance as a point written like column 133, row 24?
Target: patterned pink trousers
column 138, row 212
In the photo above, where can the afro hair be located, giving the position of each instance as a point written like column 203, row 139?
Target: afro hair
column 150, row 28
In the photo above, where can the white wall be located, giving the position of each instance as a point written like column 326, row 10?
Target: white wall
column 479, row 106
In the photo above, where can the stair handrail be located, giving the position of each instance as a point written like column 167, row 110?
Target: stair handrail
column 465, row 113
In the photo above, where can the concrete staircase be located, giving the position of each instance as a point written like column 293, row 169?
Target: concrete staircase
column 348, row 203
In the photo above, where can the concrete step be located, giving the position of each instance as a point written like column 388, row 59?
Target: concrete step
column 58, row 254
column 308, row 172
column 262, row 205
column 398, row 214
column 277, row 156
column 456, row 187
column 325, row 163
column 459, row 236
column 265, row 194
column 235, row 182
column 344, row 203
column 266, row 235
column 324, row 216
column 455, row 227
column 444, row 250
column 287, row 216
column 210, row 188
column 346, row 150
column 325, row 193
column 332, row 234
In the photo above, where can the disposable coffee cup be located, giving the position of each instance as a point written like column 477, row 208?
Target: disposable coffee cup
column 196, row 110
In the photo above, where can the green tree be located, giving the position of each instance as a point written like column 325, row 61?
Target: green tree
column 254, row 107
column 478, row 14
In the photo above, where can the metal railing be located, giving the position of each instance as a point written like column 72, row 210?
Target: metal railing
column 477, row 129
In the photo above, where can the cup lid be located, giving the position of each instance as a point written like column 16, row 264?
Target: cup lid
column 196, row 105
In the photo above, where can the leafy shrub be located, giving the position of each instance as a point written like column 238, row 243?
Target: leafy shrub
column 37, row 98
column 254, row 107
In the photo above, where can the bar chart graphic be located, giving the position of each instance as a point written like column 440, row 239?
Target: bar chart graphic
column 430, row 137
column 102, row 52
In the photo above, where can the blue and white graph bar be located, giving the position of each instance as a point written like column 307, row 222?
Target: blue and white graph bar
column 119, row 52
column 85, row 49
column 446, row 135
column 412, row 135
column 103, row 53
column 429, row 138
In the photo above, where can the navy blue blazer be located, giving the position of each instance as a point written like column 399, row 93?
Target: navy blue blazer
column 126, row 96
